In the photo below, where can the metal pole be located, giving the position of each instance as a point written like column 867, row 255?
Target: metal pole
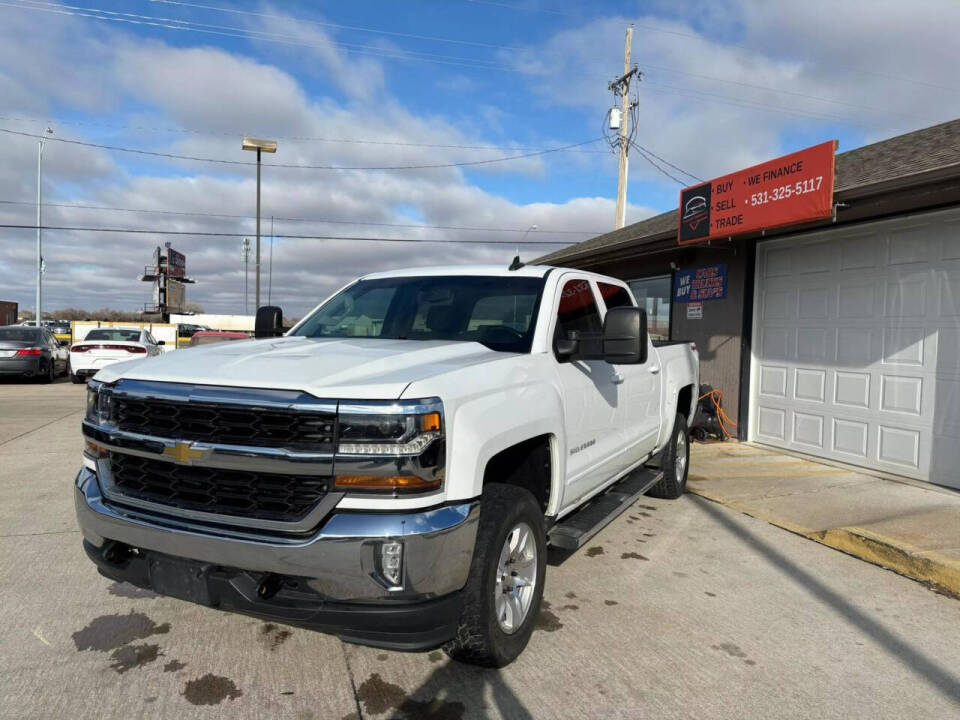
column 39, row 316
column 258, row 227
column 270, row 272
column 624, row 120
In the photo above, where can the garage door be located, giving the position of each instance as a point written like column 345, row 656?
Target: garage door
column 857, row 346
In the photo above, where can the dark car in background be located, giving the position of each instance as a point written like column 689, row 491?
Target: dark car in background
column 31, row 352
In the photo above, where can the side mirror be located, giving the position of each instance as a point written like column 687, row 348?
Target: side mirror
column 625, row 336
column 567, row 347
column 269, row 322
column 161, row 342
column 63, row 343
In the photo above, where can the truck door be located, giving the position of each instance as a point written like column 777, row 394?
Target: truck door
column 592, row 398
column 641, row 388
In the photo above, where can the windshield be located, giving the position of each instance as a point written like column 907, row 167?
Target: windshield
column 498, row 312
column 114, row 334
column 19, row 334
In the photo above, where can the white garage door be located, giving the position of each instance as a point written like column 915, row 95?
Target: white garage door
column 857, row 346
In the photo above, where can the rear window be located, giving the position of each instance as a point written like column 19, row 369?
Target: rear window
column 19, row 334
column 114, row 334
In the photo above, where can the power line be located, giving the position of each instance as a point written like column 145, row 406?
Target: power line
column 648, row 151
column 432, row 38
column 220, row 161
column 80, row 206
column 299, row 138
column 475, row 63
column 141, row 231
column 650, row 160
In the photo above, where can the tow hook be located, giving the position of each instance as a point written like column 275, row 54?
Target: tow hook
column 270, row 586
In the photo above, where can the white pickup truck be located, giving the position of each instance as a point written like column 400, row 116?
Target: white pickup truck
column 391, row 469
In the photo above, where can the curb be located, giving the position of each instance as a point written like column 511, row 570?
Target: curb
column 938, row 572
column 941, row 574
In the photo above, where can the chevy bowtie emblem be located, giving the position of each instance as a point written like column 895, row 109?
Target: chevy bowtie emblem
column 182, row 452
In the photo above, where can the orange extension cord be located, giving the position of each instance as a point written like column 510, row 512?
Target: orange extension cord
column 716, row 396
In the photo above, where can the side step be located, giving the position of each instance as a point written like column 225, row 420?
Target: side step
column 576, row 529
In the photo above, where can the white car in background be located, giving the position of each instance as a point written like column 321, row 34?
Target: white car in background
column 105, row 346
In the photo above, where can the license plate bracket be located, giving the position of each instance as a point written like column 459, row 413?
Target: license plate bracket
column 182, row 579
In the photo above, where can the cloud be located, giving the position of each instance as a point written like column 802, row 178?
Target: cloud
column 226, row 94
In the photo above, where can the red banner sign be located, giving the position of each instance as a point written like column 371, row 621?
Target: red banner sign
column 792, row 189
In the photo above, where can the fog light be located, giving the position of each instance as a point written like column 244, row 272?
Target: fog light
column 391, row 562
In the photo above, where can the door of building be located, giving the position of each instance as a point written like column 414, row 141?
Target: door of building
column 856, row 346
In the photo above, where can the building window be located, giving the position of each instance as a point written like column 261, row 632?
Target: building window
column 614, row 296
column 653, row 294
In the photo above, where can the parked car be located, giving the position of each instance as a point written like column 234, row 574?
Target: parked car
column 29, row 351
column 393, row 468
column 206, row 337
column 104, row 346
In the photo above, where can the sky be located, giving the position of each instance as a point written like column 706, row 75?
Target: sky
column 464, row 122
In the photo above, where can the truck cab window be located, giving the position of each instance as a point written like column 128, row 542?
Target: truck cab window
column 614, row 296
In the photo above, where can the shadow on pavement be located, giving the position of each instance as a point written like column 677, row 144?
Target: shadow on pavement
column 451, row 692
column 940, row 678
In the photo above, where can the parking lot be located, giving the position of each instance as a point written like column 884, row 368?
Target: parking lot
column 677, row 609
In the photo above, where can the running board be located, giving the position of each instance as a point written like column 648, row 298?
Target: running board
column 576, row 529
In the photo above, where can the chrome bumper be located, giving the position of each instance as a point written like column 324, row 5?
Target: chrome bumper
column 338, row 561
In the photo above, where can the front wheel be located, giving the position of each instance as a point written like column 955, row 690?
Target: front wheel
column 675, row 462
column 505, row 585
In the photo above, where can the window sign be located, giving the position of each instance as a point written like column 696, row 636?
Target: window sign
column 699, row 284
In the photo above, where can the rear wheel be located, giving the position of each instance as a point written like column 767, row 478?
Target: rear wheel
column 48, row 373
column 505, row 585
column 675, row 462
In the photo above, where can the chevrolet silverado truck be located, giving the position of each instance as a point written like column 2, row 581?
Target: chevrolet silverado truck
column 393, row 468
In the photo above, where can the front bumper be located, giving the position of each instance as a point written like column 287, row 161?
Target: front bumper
column 338, row 587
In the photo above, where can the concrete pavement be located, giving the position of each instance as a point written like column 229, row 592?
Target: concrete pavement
column 907, row 526
column 678, row 609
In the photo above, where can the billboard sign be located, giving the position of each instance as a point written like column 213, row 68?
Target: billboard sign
column 791, row 189
column 699, row 284
column 176, row 264
column 175, row 295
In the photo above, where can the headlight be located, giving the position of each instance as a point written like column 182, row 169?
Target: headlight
column 99, row 402
column 390, row 429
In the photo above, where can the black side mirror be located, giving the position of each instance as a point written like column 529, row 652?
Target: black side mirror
column 625, row 336
column 567, row 347
column 269, row 322
column 161, row 342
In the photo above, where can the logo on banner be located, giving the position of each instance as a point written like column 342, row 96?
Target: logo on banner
column 695, row 220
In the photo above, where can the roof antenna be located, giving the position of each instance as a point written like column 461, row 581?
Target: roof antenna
column 516, row 264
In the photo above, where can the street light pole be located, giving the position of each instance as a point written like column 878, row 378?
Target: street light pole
column 246, row 275
column 39, row 315
column 259, row 145
column 38, row 319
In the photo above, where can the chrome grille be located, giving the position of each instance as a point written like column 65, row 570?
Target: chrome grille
column 229, row 424
column 265, row 496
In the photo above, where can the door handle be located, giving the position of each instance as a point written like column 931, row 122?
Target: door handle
column 654, row 369
column 616, row 378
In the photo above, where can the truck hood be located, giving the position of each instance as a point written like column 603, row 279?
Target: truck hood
column 358, row 368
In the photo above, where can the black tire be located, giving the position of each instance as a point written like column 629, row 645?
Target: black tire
column 480, row 640
column 76, row 379
column 49, row 373
column 672, row 485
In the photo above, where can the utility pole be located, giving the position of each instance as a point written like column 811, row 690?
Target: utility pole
column 245, row 245
column 621, row 88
